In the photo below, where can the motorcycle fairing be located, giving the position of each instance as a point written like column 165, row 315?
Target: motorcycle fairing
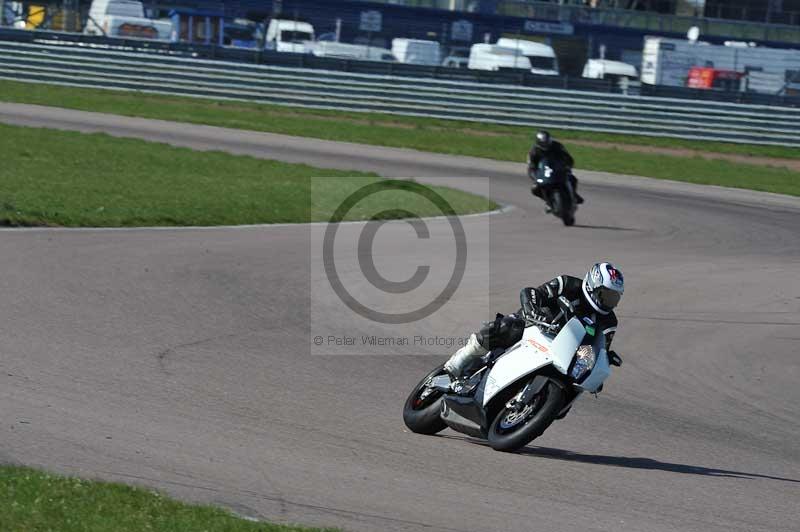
column 602, row 368
column 464, row 414
column 551, row 173
column 535, row 350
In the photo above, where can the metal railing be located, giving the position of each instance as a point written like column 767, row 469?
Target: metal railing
column 445, row 99
column 296, row 60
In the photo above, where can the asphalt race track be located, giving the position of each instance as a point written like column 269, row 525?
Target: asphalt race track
column 181, row 359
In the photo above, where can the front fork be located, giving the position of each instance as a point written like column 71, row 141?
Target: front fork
column 528, row 392
column 532, row 389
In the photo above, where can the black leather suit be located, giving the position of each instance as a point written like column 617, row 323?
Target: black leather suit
column 505, row 331
column 556, row 151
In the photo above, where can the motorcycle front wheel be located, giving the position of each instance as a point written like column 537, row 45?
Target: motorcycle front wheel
column 565, row 209
column 514, row 428
column 423, row 406
column 556, row 203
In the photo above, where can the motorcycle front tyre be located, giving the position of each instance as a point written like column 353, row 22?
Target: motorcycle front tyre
column 531, row 428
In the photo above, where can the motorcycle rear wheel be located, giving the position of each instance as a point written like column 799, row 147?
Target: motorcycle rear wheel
column 546, row 406
column 422, row 415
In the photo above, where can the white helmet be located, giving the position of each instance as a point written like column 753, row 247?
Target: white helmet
column 603, row 287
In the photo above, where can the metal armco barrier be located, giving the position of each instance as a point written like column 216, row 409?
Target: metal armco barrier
column 457, row 100
column 382, row 68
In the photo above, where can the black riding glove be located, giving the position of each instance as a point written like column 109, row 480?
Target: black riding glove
column 529, row 300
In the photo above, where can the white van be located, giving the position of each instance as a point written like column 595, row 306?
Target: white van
column 417, row 51
column 608, row 69
column 289, row 35
column 342, row 50
column 493, row 57
column 125, row 18
column 542, row 57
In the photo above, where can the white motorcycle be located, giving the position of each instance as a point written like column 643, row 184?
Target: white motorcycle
column 516, row 393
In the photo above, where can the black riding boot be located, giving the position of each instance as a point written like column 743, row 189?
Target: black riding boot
column 536, row 191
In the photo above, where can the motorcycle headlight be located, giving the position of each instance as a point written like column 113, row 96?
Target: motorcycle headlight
column 584, row 362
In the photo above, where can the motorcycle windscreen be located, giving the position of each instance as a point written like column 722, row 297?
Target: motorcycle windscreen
column 566, row 343
column 551, row 172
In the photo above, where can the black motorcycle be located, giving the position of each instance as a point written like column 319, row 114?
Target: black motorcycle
column 552, row 182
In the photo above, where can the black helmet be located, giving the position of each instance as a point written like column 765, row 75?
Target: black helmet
column 603, row 287
column 543, row 139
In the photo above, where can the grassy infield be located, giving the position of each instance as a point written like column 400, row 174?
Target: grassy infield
column 71, row 179
column 33, row 501
column 74, row 179
column 63, row 178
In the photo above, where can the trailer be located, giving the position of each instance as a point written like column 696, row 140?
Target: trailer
column 669, row 62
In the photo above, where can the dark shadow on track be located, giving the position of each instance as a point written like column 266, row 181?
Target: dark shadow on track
column 707, row 320
column 642, row 463
column 626, row 461
column 607, row 227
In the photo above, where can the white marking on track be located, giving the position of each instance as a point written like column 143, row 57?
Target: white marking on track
column 502, row 210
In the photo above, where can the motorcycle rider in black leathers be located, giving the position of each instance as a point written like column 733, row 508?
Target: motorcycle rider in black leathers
column 545, row 146
column 595, row 297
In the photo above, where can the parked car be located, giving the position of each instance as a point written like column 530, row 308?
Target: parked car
column 458, row 58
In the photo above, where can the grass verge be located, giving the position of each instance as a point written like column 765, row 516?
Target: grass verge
column 325, row 124
column 442, row 136
column 36, row 501
column 63, row 178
